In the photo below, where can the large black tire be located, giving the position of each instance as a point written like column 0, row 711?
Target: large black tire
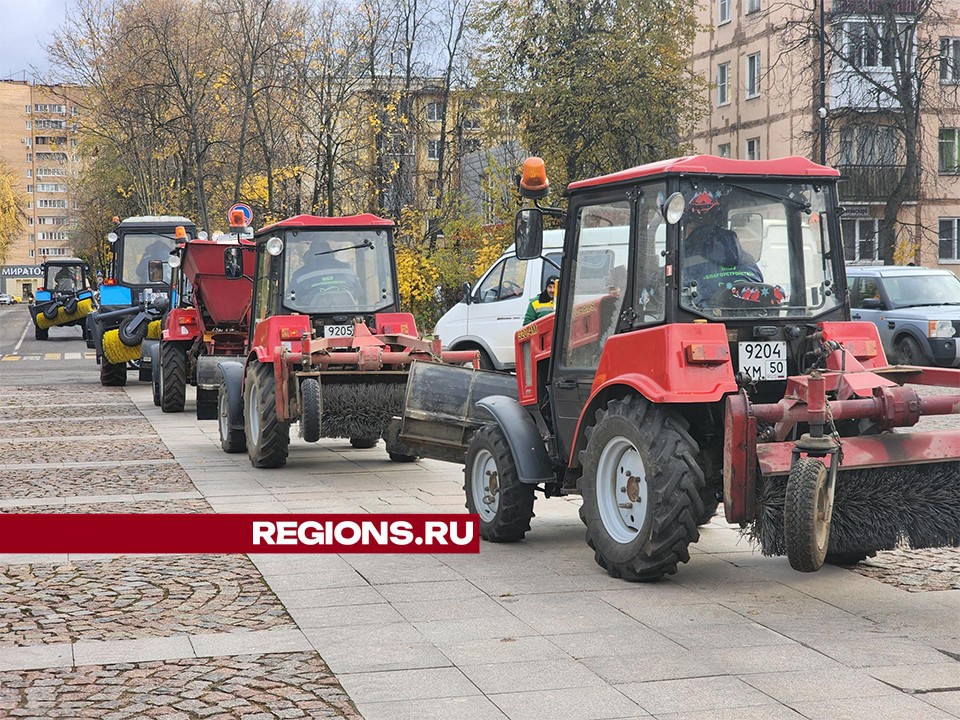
column 486, row 362
column 112, row 375
column 155, row 378
column 909, row 352
column 805, row 530
column 505, row 516
column 232, row 440
column 268, row 439
column 363, row 443
column 50, row 311
column 207, row 404
column 640, row 529
column 70, row 306
column 173, row 376
column 710, row 506
column 41, row 333
column 310, row 409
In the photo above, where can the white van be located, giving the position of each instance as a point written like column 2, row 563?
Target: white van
column 492, row 311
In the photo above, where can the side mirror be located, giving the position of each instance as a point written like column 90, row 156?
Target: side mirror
column 233, row 263
column 155, row 271
column 528, row 233
column 871, row 304
column 467, row 293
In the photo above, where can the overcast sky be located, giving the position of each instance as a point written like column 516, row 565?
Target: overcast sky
column 25, row 28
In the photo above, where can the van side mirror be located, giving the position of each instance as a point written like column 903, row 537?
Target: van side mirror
column 155, row 271
column 528, row 233
column 233, row 263
column 467, row 293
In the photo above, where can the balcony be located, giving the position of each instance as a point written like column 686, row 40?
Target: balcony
column 871, row 183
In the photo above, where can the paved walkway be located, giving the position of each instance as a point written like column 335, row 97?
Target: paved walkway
column 538, row 630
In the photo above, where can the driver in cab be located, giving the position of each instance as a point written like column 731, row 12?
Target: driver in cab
column 322, row 272
column 712, row 255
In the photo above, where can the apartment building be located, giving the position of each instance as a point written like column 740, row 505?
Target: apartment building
column 762, row 59
column 38, row 142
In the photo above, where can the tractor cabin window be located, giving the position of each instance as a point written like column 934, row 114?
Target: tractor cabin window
column 598, row 280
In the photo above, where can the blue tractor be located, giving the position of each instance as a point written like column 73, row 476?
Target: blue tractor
column 135, row 295
column 65, row 298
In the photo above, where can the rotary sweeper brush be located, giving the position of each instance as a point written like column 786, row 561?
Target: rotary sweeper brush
column 701, row 351
column 65, row 299
column 329, row 348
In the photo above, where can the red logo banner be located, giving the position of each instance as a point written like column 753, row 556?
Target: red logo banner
column 239, row 534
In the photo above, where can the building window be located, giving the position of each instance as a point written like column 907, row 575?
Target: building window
column 30, row 221
column 434, row 111
column 470, row 145
column 949, row 156
column 52, row 204
column 30, row 254
column 29, row 173
column 433, row 149
column 723, row 150
column 753, row 149
column 52, row 251
column 860, row 240
column 26, row 109
column 29, row 157
column 723, row 11
column 723, row 83
column 753, row 6
column 950, row 238
column 949, row 60
column 29, row 188
column 753, row 75
column 470, row 123
column 51, row 187
column 864, row 46
column 869, row 145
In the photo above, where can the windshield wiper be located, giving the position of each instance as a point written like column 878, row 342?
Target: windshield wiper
column 802, row 204
column 364, row 244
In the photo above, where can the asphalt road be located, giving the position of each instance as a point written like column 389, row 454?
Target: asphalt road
column 63, row 358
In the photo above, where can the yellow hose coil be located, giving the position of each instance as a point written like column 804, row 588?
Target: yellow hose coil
column 115, row 351
column 84, row 308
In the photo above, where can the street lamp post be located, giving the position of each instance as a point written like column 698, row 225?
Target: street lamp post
column 822, row 110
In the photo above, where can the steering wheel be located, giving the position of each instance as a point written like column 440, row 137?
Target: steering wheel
column 346, row 287
column 509, row 288
column 745, row 294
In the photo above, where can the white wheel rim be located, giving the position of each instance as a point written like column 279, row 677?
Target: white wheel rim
column 253, row 415
column 485, row 486
column 622, row 490
column 224, row 411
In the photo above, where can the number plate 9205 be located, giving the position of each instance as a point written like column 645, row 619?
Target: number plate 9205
column 765, row 360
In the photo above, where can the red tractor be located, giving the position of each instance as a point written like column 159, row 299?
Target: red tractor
column 701, row 352
column 329, row 348
column 209, row 324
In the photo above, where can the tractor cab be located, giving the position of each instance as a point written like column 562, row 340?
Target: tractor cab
column 65, row 298
column 334, row 270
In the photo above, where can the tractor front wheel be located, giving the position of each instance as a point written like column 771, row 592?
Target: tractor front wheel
column 310, row 409
column 173, row 376
column 232, row 440
column 155, row 377
column 112, row 375
column 363, row 443
column 806, row 510
column 41, row 334
column 493, row 488
column 641, row 488
column 268, row 439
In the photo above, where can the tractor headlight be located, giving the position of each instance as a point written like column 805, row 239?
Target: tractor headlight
column 274, row 246
column 112, row 238
column 202, row 235
column 940, row 329
column 673, row 208
column 174, row 261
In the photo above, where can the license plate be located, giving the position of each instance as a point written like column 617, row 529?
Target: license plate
column 337, row 331
column 765, row 360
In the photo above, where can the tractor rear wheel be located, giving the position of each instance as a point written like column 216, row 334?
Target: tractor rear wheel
column 806, row 529
column 641, row 488
column 173, row 376
column 155, row 378
column 363, row 443
column 268, row 439
column 112, row 375
column 41, row 334
column 493, row 487
column 232, row 440
column 310, row 409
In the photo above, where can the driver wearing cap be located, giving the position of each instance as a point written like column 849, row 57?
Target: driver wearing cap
column 712, row 255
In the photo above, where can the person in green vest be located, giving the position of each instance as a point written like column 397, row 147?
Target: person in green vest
column 542, row 304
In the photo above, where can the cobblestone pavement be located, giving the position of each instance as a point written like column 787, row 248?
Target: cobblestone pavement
column 133, row 636
column 290, row 685
column 134, row 597
column 27, row 482
column 916, row 570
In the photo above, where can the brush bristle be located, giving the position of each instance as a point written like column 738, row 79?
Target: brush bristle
column 359, row 410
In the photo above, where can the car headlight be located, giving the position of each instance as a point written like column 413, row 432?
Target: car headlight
column 940, row 329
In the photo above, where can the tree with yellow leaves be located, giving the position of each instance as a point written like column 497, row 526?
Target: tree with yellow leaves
column 11, row 208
